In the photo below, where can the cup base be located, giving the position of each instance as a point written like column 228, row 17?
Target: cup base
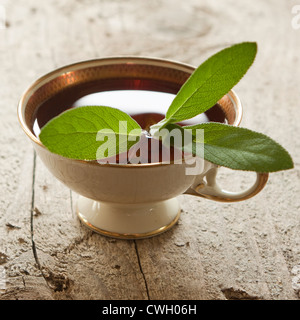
column 128, row 221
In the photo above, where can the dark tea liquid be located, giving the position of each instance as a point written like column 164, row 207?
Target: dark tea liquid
column 145, row 107
column 145, row 101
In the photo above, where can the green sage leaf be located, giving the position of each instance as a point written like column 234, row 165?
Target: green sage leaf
column 211, row 81
column 75, row 133
column 241, row 149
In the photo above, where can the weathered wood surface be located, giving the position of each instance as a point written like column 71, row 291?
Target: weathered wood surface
column 247, row 250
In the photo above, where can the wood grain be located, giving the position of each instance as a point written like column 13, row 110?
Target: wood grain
column 247, row 250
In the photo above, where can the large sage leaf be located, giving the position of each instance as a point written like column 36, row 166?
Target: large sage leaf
column 211, row 81
column 75, row 133
column 241, row 148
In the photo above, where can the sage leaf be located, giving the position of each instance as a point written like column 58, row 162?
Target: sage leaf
column 211, row 81
column 75, row 133
column 241, row 149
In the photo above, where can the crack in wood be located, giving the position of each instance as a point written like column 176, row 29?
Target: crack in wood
column 55, row 281
column 141, row 269
column 32, row 213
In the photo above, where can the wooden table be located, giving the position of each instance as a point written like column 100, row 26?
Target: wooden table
column 246, row 250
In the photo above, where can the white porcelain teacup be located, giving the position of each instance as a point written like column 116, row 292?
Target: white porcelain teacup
column 126, row 200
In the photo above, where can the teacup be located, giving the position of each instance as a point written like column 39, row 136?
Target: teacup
column 127, row 201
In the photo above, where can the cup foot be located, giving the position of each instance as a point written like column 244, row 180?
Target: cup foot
column 128, row 221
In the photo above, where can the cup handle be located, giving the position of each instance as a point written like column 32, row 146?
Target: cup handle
column 211, row 190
